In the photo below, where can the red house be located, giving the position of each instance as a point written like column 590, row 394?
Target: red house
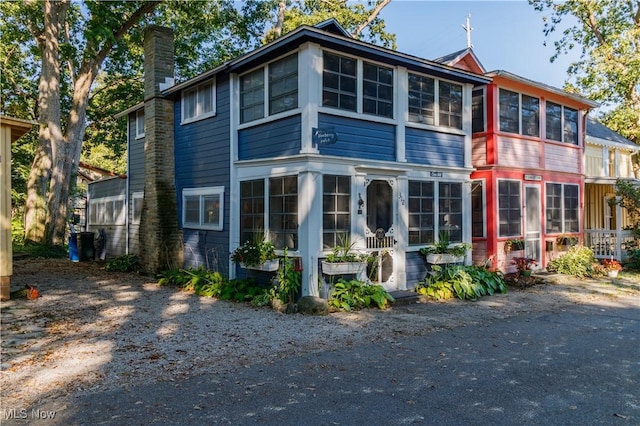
column 528, row 183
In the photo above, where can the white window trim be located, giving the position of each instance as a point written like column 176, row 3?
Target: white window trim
column 436, row 105
column 199, row 117
column 563, row 208
column 138, row 195
column 94, row 202
column 139, row 134
column 562, row 108
column 211, row 190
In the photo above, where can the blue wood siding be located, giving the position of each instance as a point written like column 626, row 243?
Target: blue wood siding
column 202, row 159
column 433, row 148
column 416, row 268
column 135, row 174
column 359, row 138
column 272, row 139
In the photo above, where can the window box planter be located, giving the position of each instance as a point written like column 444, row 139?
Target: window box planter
column 268, row 266
column 342, row 268
column 443, row 258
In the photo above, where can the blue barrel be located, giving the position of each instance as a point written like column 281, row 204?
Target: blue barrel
column 73, row 248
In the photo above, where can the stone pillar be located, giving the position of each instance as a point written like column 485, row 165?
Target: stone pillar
column 160, row 237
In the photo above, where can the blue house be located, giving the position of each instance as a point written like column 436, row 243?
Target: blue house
column 308, row 139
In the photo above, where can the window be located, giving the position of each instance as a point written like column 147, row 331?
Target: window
column 140, row 124
column 450, row 104
column 252, row 96
column 283, row 212
column 107, row 211
column 562, row 123
column 336, row 211
column 477, row 111
column 377, row 90
column 251, row 209
column 421, row 213
column 450, row 210
column 477, row 209
column 519, row 113
column 202, row 208
column 339, row 82
column 509, row 209
column 562, row 208
column 282, row 89
column 136, row 200
column 199, row 102
column 421, row 99
column 283, row 85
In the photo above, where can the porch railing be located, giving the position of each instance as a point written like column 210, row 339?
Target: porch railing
column 606, row 243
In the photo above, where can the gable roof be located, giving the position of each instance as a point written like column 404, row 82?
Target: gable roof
column 465, row 59
column 333, row 26
column 598, row 133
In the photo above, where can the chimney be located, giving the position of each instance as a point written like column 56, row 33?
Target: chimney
column 160, row 237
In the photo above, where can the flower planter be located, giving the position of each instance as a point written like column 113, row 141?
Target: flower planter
column 342, row 268
column 612, row 273
column 525, row 272
column 443, row 258
column 268, row 266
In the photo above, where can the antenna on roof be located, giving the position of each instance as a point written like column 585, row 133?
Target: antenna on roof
column 468, row 30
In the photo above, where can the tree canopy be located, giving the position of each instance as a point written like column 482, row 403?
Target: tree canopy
column 72, row 64
column 607, row 32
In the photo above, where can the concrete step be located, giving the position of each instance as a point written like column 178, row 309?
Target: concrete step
column 404, row 297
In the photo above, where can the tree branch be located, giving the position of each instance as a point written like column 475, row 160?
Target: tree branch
column 374, row 14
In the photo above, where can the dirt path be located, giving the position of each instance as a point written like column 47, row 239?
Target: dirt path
column 92, row 329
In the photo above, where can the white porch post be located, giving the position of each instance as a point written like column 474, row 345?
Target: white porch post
column 310, row 228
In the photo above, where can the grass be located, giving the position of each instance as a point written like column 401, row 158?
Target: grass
column 40, row 250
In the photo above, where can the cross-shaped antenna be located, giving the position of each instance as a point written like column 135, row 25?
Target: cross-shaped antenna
column 468, row 30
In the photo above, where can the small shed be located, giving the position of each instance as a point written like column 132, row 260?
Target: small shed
column 11, row 129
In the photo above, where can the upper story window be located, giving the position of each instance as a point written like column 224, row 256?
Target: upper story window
column 562, row 123
column 340, row 86
column 435, row 102
column 140, row 124
column 519, row 113
column 136, row 201
column 477, row 111
column 281, row 89
column 198, row 102
column 339, row 78
column 202, row 208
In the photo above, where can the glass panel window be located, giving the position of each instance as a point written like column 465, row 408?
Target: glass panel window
column 107, row 211
column 421, row 99
column 283, row 212
column 140, row 124
column 450, row 210
column 554, row 121
column 283, row 84
column 450, row 104
column 336, row 211
column 509, row 111
column 339, row 82
column 477, row 111
column 198, row 102
column 377, row 87
column 136, row 199
column 421, row 213
column 509, row 209
column 252, row 210
column 202, row 208
column 562, row 213
column 530, row 116
column 477, row 209
column 570, row 126
column 252, row 96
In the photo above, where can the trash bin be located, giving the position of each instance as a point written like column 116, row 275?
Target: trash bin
column 73, row 247
column 86, row 248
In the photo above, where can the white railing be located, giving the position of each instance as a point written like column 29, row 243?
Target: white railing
column 606, row 243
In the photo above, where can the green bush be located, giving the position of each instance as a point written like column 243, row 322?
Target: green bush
column 578, row 261
column 464, row 282
column 355, row 294
column 41, row 250
column 125, row 263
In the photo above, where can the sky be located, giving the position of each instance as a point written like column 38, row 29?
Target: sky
column 507, row 35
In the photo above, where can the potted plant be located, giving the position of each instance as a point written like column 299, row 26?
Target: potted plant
column 258, row 254
column 443, row 252
column 567, row 241
column 513, row 245
column 524, row 265
column 343, row 260
column 612, row 267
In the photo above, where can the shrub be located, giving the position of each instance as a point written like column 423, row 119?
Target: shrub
column 41, row 250
column 356, row 294
column 465, row 282
column 125, row 263
column 578, row 261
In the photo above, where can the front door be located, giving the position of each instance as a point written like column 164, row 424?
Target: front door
column 532, row 224
column 380, row 231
